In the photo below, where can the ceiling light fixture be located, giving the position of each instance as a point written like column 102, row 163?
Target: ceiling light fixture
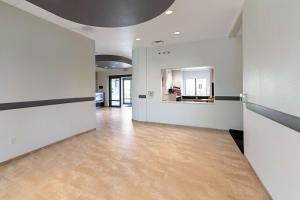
column 169, row 12
column 176, row 33
column 138, row 39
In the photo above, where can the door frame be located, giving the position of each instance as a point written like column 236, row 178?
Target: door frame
column 120, row 88
column 123, row 79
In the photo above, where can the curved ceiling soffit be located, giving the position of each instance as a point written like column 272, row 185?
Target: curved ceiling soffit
column 113, row 61
column 105, row 13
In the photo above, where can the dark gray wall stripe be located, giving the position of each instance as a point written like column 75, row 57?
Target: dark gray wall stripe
column 228, row 98
column 29, row 104
column 285, row 119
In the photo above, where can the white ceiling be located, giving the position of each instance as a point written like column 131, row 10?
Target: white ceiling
column 195, row 19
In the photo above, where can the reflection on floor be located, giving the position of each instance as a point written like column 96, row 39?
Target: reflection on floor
column 134, row 161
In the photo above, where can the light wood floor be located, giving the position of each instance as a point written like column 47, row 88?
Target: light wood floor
column 134, row 161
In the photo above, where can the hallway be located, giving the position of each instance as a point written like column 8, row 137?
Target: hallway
column 125, row 160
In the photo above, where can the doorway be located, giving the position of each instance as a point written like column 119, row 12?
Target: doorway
column 114, row 91
column 127, row 99
column 120, row 90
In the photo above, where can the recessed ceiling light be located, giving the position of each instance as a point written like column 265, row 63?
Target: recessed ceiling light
column 169, row 12
column 176, row 33
column 138, row 39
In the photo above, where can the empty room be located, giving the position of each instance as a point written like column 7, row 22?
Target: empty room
column 149, row 100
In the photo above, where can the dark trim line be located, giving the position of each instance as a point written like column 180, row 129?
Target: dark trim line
column 290, row 121
column 30, row 104
column 195, row 97
column 121, row 76
column 227, row 98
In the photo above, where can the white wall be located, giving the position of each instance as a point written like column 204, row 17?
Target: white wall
column 103, row 80
column 42, row 61
column 224, row 54
column 271, row 79
column 139, row 84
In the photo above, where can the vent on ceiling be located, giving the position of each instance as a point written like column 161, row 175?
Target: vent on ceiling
column 158, row 42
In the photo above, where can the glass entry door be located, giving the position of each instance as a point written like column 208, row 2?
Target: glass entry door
column 114, row 91
column 127, row 90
